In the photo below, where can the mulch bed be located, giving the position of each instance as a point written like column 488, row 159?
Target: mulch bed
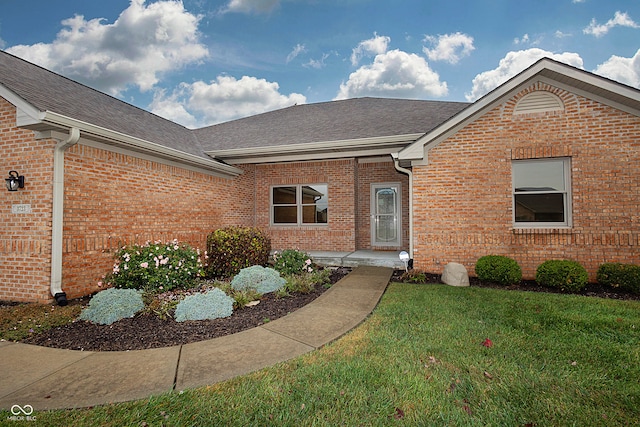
column 149, row 331
column 591, row 290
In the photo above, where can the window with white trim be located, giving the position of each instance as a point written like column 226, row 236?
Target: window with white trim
column 299, row 204
column 542, row 193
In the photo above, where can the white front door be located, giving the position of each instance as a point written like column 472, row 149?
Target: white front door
column 385, row 214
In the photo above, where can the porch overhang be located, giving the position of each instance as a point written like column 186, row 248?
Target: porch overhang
column 377, row 146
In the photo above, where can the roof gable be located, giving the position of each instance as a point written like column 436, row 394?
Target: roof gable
column 546, row 70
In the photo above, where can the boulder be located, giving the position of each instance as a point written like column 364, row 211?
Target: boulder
column 455, row 274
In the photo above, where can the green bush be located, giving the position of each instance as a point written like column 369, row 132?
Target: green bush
column 212, row 304
column 291, row 261
column 156, row 266
column 233, row 248
column 305, row 282
column 618, row 275
column 111, row 305
column 262, row 280
column 565, row 275
column 414, row 276
column 498, row 269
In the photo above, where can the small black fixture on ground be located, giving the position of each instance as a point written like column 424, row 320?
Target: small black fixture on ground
column 14, row 181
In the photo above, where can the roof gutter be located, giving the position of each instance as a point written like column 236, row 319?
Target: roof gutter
column 382, row 145
column 396, row 163
column 57, row 215
column 140, row 145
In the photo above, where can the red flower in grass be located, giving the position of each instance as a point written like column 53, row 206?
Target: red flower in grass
column 487, row 343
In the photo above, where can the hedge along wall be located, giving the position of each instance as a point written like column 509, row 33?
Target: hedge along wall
column 25, row 215
column 341, row 178
column 114, row 199
column 463, row 198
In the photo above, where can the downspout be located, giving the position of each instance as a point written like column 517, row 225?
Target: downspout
column 58, row 214
column 396, row 163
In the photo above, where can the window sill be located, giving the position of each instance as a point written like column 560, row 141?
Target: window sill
column 542, row 230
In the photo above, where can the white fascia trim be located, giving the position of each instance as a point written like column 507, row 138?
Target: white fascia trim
column 136, row 144
column 316, row 150
column 26, row 113
column 416, row 151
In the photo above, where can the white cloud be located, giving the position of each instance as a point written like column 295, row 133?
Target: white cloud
column 297, row 50
column 560, row 35
column 623, row 70
column 512, row 64
column 226, row 98
column 522, row 40
column 144, row 42
column 251, row 6
column 449, row 47
column 317, row 63
column 394, row 74
column 373, row 46
column 619, row 19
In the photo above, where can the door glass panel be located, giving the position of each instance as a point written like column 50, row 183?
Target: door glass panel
column 385, row 217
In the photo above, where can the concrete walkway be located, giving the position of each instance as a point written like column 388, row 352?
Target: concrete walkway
column 48, row 378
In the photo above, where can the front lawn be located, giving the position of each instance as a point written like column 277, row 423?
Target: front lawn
column 431, row 355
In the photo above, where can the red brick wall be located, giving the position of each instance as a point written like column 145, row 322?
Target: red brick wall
column 379, row 172
column 114, row 199
column 25, row 238
column 111, row 199
column 341, row 178
column 463, row 199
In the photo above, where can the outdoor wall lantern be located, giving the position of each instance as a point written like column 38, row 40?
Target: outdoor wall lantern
column 14, row 181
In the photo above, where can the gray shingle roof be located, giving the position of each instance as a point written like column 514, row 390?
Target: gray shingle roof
column 48, row 91
column 329, row 121
column 321, row 122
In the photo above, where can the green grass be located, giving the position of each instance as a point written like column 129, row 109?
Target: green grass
column 21, row 320
column 556, row 360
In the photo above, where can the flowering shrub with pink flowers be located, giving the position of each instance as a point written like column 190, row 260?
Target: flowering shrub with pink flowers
column 292, row 261
column 156, row 266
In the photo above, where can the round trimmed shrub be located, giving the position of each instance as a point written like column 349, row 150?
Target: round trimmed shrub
column 565, row 275
column 498, row 269
column 231, row 249
column 618, row 275
column 111, row 305
column 212, row 304
column 262, row 280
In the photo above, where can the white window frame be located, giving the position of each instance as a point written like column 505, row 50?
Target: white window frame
column 298, row 205
column 568, row 219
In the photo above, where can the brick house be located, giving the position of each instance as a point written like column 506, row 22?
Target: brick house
column 545, row 166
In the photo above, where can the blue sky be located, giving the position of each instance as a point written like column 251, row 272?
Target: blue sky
column 201, row 62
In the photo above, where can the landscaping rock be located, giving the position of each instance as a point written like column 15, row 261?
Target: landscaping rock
column 455, row 274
